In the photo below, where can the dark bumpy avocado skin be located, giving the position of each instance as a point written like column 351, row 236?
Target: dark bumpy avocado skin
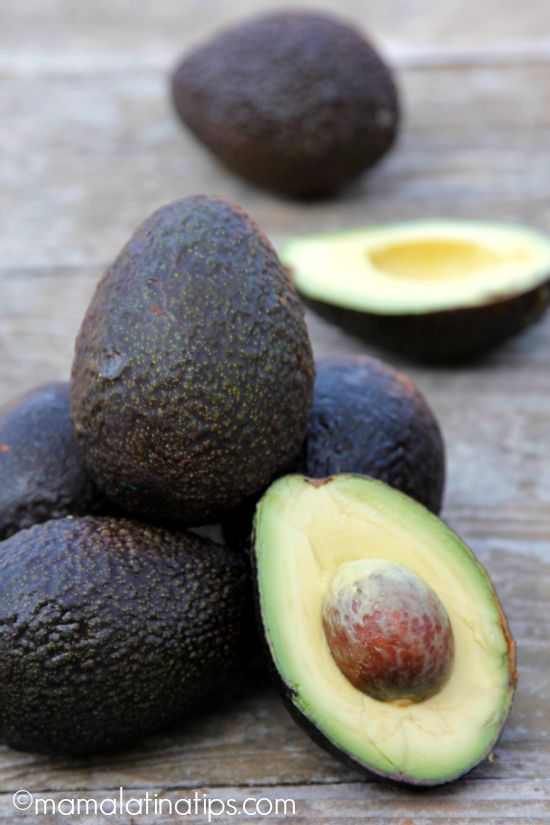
column 237, row 526
column 41, row 471
column 370, row 419
column 445, row 336
column 296, row 102
column 193, row 373
column 110, row 629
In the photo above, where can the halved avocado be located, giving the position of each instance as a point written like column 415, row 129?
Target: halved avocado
column 317, row 540
column 437, row 290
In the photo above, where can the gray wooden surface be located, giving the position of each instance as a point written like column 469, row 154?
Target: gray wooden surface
column 89, row 147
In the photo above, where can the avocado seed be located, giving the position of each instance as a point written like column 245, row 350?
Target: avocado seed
column 387, row 631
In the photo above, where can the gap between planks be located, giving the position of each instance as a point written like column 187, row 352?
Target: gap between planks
column 27, row 63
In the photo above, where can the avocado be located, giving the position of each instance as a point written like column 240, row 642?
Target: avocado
column 193, row 373
column 370, row 419
column 297, row 102
column 41, row 471
column 385, row 632
column 111, row 629
column 434, row 290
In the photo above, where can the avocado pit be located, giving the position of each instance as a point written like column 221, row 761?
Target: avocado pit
column 434, row 259
column 387, row 631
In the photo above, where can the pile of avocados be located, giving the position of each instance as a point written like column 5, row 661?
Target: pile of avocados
column 193, row 388
column 194, row 399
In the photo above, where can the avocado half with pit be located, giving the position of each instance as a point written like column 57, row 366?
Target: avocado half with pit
column 436, row 290
column 386, row 632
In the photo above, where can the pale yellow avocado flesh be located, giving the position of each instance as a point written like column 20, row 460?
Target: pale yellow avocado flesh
column 303, row 533
column 419, row 267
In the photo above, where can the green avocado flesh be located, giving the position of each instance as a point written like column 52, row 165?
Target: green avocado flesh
column 307, row 535
column 419, row 267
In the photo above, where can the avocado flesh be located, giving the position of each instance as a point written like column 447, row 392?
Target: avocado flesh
column 419, row 267
column 304, row 531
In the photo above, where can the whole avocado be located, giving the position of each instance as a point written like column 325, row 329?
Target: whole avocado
column 297, row 102
column 193, row 372
column 371, row 419
column 111, row 629
column 41, row 471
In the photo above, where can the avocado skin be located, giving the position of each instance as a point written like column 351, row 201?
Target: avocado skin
column 366, row 418
column 111, row 629
column 296, row 102
column 237, row 526
column 446, row 336
column 193, row 373
column 41, row 471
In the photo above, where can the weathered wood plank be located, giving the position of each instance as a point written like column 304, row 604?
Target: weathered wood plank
column 282, row 756
column 59, row 34
column 85, row 159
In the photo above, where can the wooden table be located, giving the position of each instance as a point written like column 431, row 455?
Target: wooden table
column 90, row 146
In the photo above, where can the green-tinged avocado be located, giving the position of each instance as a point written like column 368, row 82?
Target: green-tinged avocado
column 297, row 102
column 41, row 472
column 193, row 372
column 370, row 419
column 386, row 633
column 435, row 290
column 111, row 629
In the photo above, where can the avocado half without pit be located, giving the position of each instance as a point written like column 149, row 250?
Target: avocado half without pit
column 436, row 290
column 387, row 635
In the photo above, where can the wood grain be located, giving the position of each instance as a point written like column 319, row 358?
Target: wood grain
column 89, row 146
column 61, row 35
column 88, row 157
